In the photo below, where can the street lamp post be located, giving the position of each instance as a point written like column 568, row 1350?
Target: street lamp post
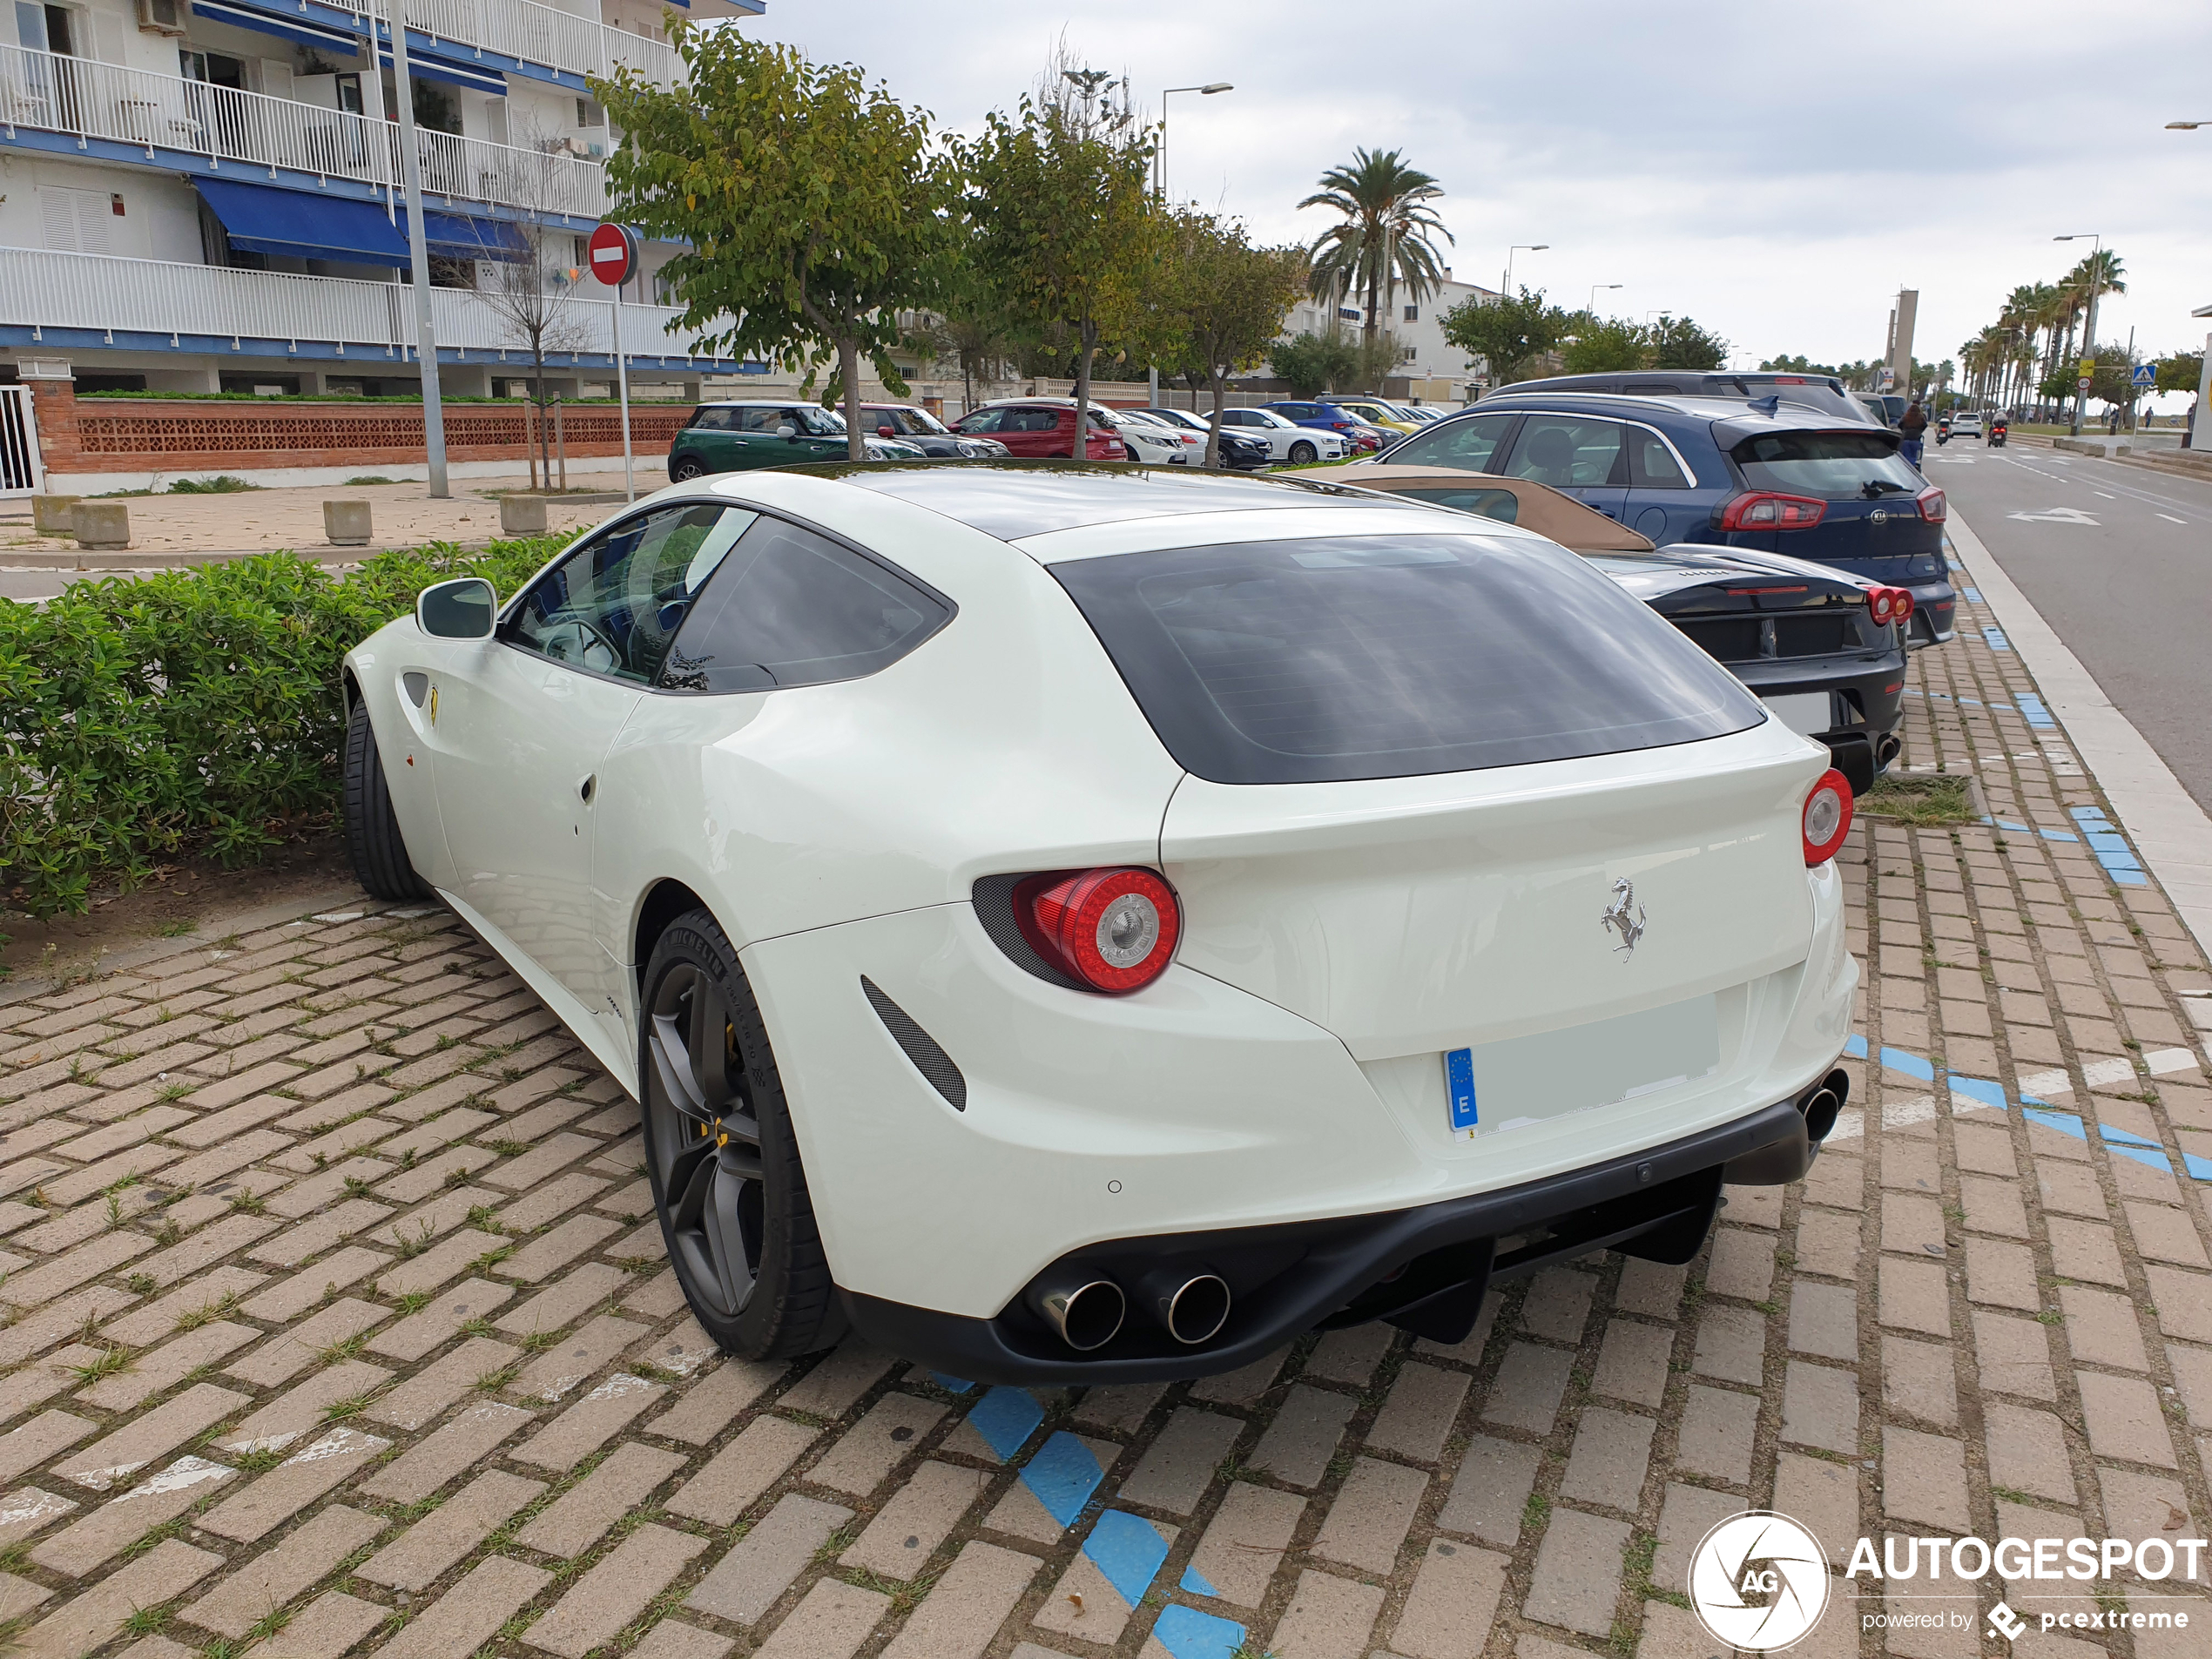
column 1207, row 91
column 2089, row 342
column 1506, row 292
column 433, row 416
column 1595, row 286
column 1160, row 174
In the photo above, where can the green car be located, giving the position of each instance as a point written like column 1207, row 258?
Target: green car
column 735, row 437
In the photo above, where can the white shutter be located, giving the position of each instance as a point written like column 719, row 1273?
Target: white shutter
column 94, row 215
column 276, row 77
column 58, row 214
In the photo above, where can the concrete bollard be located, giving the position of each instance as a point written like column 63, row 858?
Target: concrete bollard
column 345, row 523
column 101, row 523
column 522, row 515
column 49, row 515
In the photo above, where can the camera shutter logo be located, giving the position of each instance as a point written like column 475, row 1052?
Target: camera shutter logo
column 1758, row 1581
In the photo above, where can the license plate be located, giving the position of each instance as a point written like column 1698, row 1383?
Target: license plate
column 1802, row 712
column 1554, row 1073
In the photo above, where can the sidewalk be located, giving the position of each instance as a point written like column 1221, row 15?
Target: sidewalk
column 262, row 520
column 341, row 1323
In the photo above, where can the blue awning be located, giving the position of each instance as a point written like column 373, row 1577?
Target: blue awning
column 303, row 29
column 430, row 64
column 458, row 236
column 297, row 224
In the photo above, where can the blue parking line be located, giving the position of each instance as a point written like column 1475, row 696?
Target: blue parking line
column 2030, row 829
column 1006, row 1417
column 1128, row 1550
column 1996, row 639
column 2110, row 847
column 2124, row 1142
column 1973, row 595
column 1188, row 1633
column 2032, row 708
column 1062, row 1477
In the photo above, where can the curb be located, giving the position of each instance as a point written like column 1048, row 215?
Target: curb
column 2169, row 829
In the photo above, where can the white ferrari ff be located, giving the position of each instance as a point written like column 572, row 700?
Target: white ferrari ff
column 1090, row 923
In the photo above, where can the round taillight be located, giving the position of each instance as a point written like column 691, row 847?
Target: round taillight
column 1111, row 930
column 1827, row 817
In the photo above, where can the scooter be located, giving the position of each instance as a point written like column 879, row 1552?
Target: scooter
column 1942, row 432
column 1997, row 428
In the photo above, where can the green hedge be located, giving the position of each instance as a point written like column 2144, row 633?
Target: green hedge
column 194, row 710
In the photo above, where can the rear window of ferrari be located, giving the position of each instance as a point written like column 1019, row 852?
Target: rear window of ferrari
column 1328, row 659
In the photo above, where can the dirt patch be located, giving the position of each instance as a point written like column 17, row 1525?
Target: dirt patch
column 175, row 903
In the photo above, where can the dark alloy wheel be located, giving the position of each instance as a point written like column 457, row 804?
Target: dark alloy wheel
column 1302, row 452
column 373, row 838
column 688, row 468
column 727, row 1180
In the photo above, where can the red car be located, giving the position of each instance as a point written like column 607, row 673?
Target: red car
column 1042, row 428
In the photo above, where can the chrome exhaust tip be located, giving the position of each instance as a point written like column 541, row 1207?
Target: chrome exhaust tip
column 1191, row 1307
column 1825, row 1104
column 1084, row 1315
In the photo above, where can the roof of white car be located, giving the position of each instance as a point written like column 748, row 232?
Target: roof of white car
column 1018, row 500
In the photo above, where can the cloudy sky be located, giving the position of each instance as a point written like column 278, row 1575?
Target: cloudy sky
column 1775, row 171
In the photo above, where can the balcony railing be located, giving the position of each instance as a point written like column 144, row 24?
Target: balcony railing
column 532, row 33
column 43, row 289
column 92, row 100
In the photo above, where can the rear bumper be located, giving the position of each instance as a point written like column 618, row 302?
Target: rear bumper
column 1426, row 1269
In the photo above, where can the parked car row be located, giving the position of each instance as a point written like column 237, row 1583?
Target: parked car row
column 1762, row 473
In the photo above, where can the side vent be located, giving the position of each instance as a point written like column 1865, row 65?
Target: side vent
column 932, row 1062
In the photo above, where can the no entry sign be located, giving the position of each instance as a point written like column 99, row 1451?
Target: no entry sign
column 612, row 253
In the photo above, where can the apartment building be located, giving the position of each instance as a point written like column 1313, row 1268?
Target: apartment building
column 208, row 195
column 1417, row 330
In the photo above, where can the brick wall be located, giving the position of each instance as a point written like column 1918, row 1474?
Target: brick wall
column 118, row 435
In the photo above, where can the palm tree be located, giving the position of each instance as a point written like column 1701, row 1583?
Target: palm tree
column 1383, row 236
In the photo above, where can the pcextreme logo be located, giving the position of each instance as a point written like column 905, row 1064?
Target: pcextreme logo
column 1759, row 1583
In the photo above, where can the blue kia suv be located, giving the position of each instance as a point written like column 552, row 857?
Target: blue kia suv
column 1776, row 476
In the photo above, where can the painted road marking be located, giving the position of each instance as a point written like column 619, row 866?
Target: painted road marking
column 2057, row 516
column 2106, row 495
column 2170, row 519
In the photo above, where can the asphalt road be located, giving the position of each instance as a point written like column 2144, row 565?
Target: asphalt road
column 2119, row 560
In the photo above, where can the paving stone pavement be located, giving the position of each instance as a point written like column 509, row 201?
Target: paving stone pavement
column 338, row 1323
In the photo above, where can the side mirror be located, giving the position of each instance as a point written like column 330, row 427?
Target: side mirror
column 787, row 432
column 884, row 432
column 461, row 609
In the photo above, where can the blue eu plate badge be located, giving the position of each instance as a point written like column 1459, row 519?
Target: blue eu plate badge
column 1459, row 1087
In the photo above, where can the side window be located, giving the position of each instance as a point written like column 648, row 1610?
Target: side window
column 982, row 420
column 1471, row 445
column 1651, row 464
column 792, row 608
column 765, row 420
column 1567, row 452
column 715, row 420
column 613, row 606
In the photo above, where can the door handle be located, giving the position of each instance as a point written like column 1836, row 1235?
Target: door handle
column 590, row 784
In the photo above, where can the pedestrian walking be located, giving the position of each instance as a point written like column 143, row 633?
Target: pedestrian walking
column 1914, row 425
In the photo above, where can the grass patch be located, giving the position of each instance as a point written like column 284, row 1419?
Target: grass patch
column 1925, row 801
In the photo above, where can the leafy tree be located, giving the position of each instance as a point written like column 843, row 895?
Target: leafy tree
column 1608, row 344
column 1799, row 364
column 2180, row 371
column 1314, row 363
column 1065, row 229
column 1676, row 342
column 1506, row 333
column 1382, row 236
column 815, row 208
column 1221, row 302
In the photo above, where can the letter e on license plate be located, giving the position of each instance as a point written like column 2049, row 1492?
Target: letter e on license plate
column 1458, row 1088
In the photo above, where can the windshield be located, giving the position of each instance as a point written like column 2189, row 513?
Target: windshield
column 820, row 423
column 1833, row 466
column 1393, row 656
